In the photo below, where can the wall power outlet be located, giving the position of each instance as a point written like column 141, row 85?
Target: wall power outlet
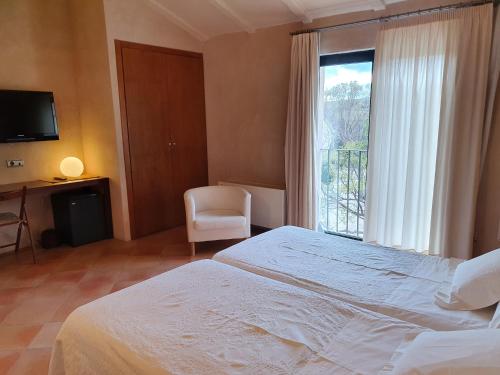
column 15, row 163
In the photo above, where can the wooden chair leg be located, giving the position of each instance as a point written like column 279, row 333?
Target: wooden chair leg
column 193, row 249
column 31, row 241
column 18, row 238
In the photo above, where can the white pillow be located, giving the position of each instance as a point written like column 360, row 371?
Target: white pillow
column 443, row 353
column 475, row 284
column 495, row 321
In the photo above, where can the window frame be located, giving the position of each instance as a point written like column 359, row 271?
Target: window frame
column 353, row 57
column 343, row 58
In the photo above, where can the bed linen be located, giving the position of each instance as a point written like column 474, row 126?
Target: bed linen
column 476, row 284
column 466, row 352
column 393, row 282
column 210, row 318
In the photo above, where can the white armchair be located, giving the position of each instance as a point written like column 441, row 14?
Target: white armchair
column 217, row 213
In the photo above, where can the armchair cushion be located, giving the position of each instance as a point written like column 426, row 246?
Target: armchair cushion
column 218, row 219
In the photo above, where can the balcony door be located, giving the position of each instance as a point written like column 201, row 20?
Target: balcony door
column 344, row 115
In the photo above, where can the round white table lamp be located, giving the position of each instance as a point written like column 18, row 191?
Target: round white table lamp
column 71, row 167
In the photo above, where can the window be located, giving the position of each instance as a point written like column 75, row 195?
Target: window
column 344, row 114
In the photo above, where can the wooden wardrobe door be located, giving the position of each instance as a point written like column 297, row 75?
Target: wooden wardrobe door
column 145, row 91
column 186, row 118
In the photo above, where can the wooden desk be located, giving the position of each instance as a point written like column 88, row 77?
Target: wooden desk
column 97, row 184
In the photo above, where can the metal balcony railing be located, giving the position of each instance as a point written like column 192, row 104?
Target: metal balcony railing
column 343, row 191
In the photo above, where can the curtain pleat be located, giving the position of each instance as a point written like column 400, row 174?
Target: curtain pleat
column 493, row 82
column 457, row 176
column 301, row 160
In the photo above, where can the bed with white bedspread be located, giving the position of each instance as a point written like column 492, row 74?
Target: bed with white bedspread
column 396, row 283
column 210, row 318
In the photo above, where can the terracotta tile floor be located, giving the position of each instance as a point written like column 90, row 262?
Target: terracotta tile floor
column 36, row 299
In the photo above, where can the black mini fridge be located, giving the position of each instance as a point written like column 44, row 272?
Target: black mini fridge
column 79, row 217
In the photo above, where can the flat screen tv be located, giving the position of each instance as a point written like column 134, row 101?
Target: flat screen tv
column 27, row 116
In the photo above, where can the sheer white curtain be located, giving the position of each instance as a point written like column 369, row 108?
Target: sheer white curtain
column 426, row 128
column 301, row 154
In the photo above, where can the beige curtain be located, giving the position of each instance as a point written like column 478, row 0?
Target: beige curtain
column 426, row 131
column 493, row 81
column 301, row 166
column 488, row 207
column 461, row 136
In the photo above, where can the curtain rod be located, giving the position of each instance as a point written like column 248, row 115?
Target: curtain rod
column 443, row 8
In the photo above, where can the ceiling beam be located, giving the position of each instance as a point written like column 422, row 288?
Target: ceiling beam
column 223, row 7
column 297, row 8
column 178, row 21
column 348, row 6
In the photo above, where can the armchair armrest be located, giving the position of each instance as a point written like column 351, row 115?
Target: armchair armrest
column 246, row 204
column 190, row 207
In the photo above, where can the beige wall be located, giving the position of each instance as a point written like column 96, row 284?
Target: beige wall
column 36, row 54
column 99, row 138
column 246, row 83
column 136, row 21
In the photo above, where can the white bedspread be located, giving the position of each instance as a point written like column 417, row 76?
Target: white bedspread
column 396, row 283
column 210, row 318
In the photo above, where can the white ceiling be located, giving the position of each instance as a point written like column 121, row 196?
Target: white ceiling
column 205, row 19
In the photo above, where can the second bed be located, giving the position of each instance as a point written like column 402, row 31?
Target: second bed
column 396, row 283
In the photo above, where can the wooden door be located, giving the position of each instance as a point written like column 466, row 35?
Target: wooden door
column 145, row 82
column 186, row 116
column 161, row 95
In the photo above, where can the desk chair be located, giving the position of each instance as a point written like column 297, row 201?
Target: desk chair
column 21, row 220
